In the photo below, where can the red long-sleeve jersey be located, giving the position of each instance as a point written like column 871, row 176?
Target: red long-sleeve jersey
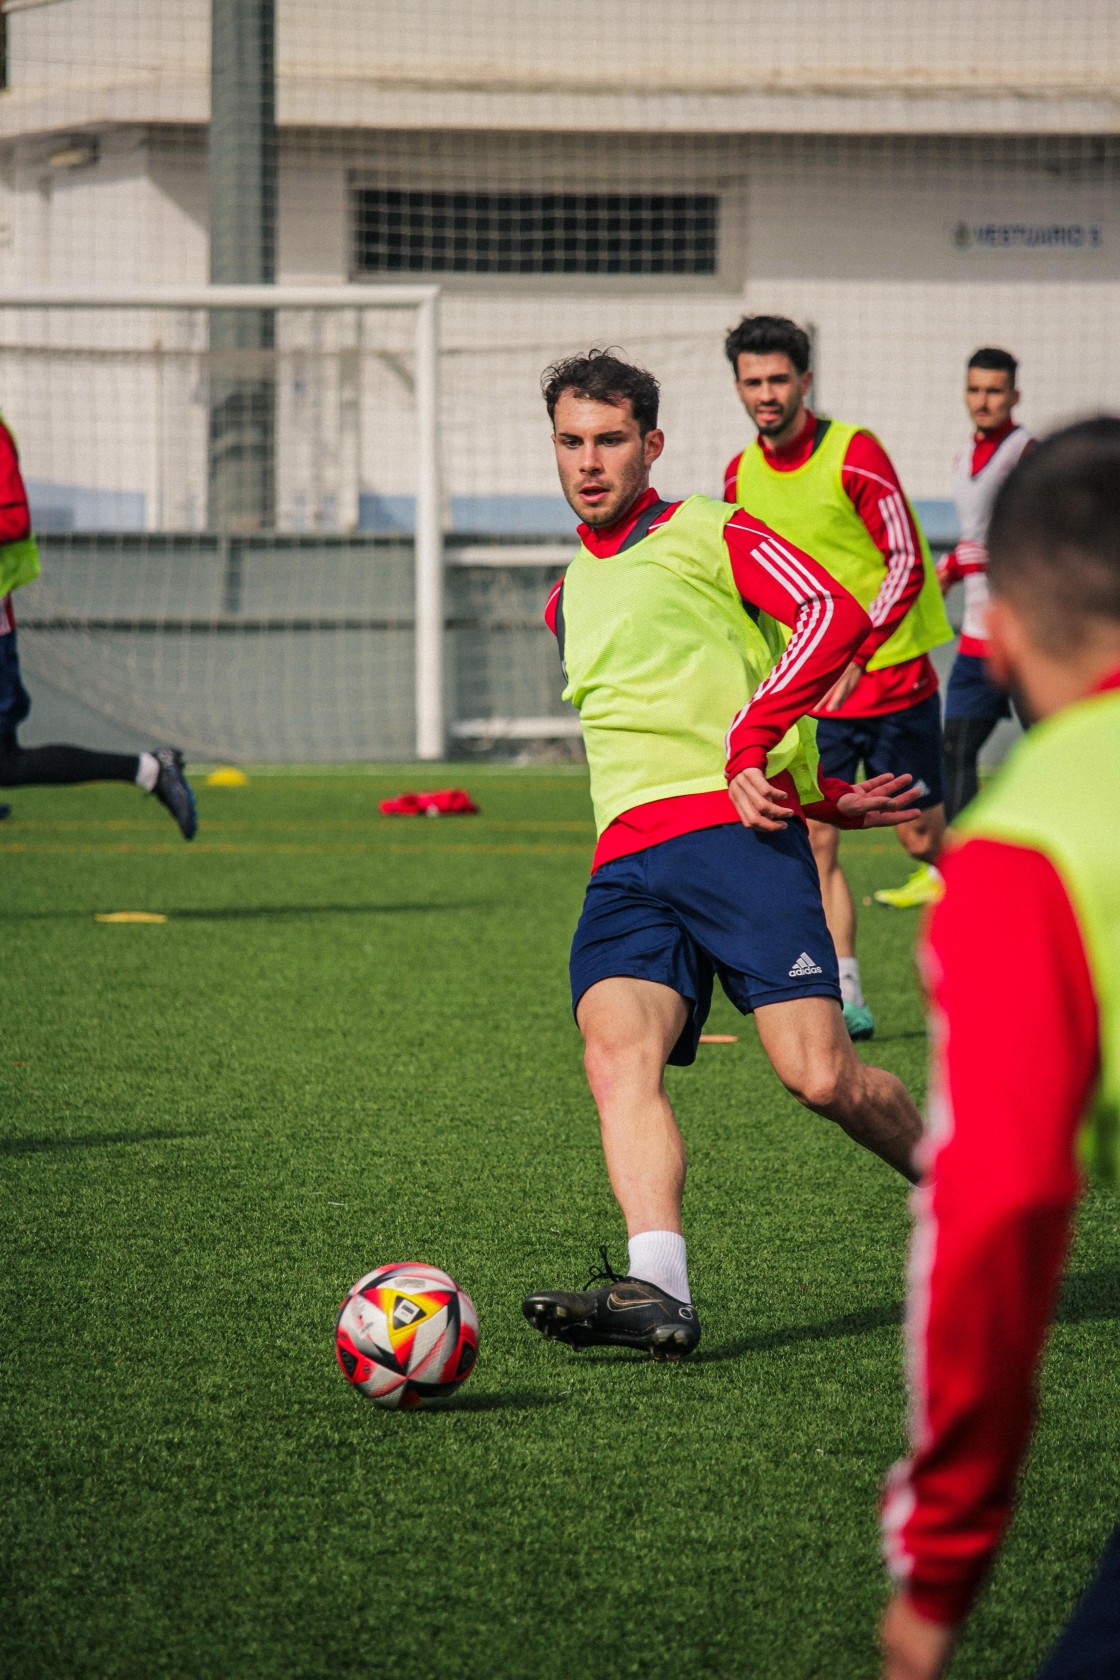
column 15, row 515
column 827, row 622
column 874, row 490
column 1013, row 1066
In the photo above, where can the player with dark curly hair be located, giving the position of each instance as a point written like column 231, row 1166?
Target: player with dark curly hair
column 673, row 621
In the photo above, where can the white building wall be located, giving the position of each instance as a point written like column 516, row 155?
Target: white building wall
column 730, row 66
column 860, row 239
column 852, row 232
column 107, row 406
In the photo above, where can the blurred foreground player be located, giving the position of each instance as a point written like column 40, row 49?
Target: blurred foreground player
column 159, row 772
column 973, row 703
column 702, row 769
column 1025, row 1078
column 832, row 489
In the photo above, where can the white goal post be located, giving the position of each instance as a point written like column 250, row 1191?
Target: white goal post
column 430, row 702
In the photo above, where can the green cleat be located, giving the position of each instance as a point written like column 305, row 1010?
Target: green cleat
column 924, row 886
column 859, row 1021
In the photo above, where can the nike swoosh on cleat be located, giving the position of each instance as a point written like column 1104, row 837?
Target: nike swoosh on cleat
column 627, row 1306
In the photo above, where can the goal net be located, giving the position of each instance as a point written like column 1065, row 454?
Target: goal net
column 256, row 543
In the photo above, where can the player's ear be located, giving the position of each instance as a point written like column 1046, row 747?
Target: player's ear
column 1005, row 633
column 653, row 444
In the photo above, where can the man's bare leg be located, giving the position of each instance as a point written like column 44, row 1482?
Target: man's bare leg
column 840, row 914
column 629, row 1027
column 839, row 905
column 924, row 838
column 812, row 1055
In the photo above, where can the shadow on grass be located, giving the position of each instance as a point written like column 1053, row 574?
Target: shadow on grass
column 92, row 1140
column 1087, row 1296
column 489, row 1403
column 252, row 912
column 862, row 1323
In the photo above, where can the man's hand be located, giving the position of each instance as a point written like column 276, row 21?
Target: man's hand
column 882, row 801
column 913, row 1649
column 756, row 801
column 842, row 687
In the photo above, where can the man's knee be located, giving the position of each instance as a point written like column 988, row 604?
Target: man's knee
column 823, row 1081
column 923, row 838
column 623, row 1072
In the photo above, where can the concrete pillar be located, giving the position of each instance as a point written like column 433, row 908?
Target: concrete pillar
column 242, row 495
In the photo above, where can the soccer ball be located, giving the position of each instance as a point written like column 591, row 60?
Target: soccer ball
column 406, row 1334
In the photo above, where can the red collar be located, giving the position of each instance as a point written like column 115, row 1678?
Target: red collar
column 605, row 540
column 994, row 439
column 1106, row 683
column 797, row 451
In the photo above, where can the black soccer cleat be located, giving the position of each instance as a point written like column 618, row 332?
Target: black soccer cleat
column 626, row 1312
column 173, row 790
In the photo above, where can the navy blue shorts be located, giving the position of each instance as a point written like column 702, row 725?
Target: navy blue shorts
column 905, row 743
column 726, row 900
column 1088, row 1647
column 15, row 702
column 972, row 693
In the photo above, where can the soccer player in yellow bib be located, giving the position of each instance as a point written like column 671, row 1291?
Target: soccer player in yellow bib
column 703, row 768
column 832, row 489
column 1025, row 1075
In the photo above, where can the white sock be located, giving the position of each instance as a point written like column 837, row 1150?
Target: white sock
column 850, row 989
column 147, row 772
column 658, row 1257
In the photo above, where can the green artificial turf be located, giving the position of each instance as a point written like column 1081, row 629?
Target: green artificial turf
column 351, row 1043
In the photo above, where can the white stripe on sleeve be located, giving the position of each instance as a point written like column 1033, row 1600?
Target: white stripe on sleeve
column 902, row 557
column 815, row 612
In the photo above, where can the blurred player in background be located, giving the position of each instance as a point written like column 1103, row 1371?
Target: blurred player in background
column 703, row 768
column 1025, row 1076
column 973, row 703
column 831, row 489
column 159, row 772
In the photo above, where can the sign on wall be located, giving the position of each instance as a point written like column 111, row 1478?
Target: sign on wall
column 1028, row 236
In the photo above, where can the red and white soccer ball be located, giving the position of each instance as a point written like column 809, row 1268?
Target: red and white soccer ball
column 406, row 1334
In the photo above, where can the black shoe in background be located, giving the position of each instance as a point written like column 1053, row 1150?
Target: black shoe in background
column 173, row 790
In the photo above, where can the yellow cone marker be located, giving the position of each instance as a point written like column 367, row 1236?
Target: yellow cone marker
column 131, row 916
column 227, row 775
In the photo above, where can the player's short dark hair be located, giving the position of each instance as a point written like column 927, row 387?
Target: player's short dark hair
column 995, row 361
column 1054, row 536
column 606, row 378
column 765, row 335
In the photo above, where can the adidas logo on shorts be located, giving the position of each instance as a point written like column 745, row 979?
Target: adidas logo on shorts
column 804, row 966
